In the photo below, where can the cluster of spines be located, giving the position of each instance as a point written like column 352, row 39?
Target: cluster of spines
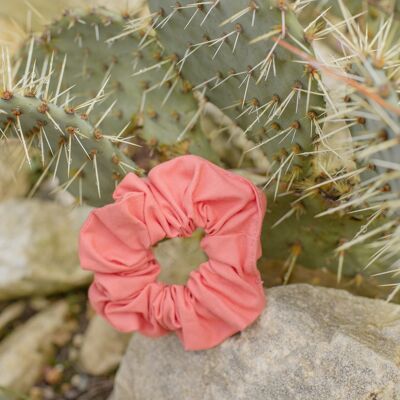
column 368, row 65
column 280, row 124
column 87, row 161
column 80, row 66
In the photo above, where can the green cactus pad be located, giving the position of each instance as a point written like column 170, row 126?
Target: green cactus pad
column 87, row 164
column 95, row 50
column 291, row 230
column 229, row 49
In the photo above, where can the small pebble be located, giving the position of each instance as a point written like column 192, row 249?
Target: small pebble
column 80, row 382
column 65, row 387
column 73, row 354
column 71, row 394
column 54, row 375
column 72, row 325
column 39, row 303
column 48, row 393
column 78, row 340
column 35, row 393
column 61, row 338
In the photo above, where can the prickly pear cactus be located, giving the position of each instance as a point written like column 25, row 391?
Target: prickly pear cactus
column 293, row 235
column 383, row 149
column 370, row 109
column 231, row 51
column 330, row 158
column 87, row 163
column 141, row 95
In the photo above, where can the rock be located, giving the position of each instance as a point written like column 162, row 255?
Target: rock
column 11, row 313
column 14, row 181
column 36, row 393
column 54, row 375
column 102, row 348
column 38, row 248
column 80, row 382
column 24, row 352
column 311, row 343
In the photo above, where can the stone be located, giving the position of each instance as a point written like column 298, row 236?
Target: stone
column 310, row 343
column 23, row 353
column 102, row 348
column 39, row 248
column 11, row 313
column 54, row 375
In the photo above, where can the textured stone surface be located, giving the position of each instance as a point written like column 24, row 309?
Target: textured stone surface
column 38, row 248
column 311, row 343
column 102, row 348
column 24, row 352
column 11, row 313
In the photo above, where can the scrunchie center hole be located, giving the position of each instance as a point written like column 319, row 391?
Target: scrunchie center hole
column 179, row 256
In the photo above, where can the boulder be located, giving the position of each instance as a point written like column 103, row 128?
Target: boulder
column 102, row 348
column 39, row 248
column 25, row 351
column 11, row 313
column 310, row 343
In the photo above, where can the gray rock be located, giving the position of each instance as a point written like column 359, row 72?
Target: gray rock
column 310, row 343
column 102, row 348
column 38, row 248
column 24, row 352
column 11, row 313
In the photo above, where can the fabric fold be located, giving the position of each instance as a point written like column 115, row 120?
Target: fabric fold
column 221, row 297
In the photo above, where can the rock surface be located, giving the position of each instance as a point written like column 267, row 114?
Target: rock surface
column 11, row 313
column 102, row 348
column 24, row 352
column 38, row 248
column 310, row 343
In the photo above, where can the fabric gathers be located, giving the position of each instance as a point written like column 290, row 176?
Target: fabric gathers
column 222, row 297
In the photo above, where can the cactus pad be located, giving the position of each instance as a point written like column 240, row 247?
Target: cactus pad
column 87, row 164
column 90, row 50
column 230, row 50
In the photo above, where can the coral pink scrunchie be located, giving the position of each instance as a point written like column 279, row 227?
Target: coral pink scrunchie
column 223, row 296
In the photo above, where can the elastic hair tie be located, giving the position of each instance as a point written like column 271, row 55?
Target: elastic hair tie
column 222, row 297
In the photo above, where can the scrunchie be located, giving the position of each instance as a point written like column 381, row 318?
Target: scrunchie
column 222, row 297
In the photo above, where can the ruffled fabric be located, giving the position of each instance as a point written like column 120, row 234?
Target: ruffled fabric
column 222, row 297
